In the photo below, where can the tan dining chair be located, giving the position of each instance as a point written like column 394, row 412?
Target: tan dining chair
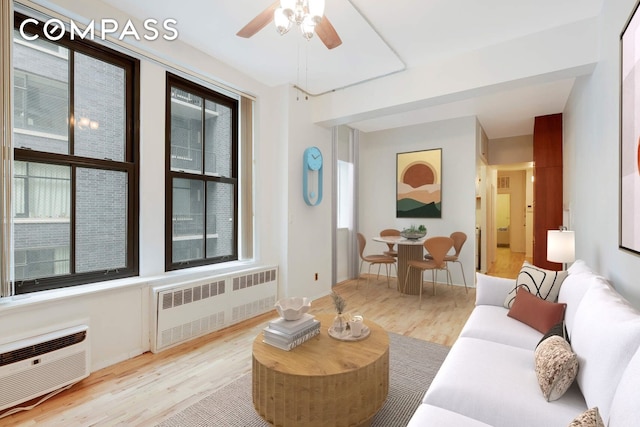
column 438, row 247
column 390, row 232
column 379, row 259
column 458, row 241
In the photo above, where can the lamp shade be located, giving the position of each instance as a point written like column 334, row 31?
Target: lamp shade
column 561, row 246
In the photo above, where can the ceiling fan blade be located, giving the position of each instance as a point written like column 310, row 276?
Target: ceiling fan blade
column 259, row 22
column 328, row 34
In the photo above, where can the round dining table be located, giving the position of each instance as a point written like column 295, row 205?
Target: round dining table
column 408, row 249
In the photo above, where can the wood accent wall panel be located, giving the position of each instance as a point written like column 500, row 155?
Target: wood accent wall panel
column 548, row 185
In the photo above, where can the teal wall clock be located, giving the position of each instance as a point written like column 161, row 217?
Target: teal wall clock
column 312, row 176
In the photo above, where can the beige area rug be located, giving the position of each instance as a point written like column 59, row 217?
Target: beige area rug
column 412, row 365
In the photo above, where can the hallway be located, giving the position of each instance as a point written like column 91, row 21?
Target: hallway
column 507, row 263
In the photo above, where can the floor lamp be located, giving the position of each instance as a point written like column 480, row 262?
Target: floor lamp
column 561, row 246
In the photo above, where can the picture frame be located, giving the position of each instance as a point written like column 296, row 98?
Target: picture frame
column 629, row 209
column 419, row 184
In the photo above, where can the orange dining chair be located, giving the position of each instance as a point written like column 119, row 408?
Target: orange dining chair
column 373, row 259
column 438, row 247
column 458, row 241
column 390, row 232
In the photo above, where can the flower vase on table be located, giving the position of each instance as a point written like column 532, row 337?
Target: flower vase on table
column 341, row 321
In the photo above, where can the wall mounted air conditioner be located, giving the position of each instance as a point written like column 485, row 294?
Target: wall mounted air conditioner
column 35, row 366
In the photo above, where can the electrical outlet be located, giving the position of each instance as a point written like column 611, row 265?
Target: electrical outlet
column 316, row 276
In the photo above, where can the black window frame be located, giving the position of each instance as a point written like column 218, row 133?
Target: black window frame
column 178, row 82
column 129, row 164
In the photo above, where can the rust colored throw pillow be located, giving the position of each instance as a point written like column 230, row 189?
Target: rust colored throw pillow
column 536, row 312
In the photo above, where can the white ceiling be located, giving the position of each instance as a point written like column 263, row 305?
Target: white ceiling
column 379, row 38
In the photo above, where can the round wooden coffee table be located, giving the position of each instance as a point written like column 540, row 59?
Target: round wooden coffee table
column 323, row 382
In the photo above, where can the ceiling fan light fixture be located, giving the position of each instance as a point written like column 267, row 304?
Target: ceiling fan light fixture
column 288, row 7
column 306, row 14
column 316, row 9
column 282, row 21
column 308, row 27
column 300, row 12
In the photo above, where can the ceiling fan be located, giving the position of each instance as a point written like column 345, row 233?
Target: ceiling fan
column 300, row 12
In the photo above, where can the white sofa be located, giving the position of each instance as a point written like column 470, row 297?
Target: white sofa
column 488, row 377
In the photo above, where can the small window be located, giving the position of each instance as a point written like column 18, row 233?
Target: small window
column 345, row 194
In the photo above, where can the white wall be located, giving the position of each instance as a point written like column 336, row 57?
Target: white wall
column 309, row 228
column 591, row 160
column 516, row 149
column 377, row 183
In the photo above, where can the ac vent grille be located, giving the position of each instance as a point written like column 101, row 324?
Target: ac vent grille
column 187, row 310
column 192, row 294
column 253, row 279
column 504, row 182
column 41, row 348
column 21, row 386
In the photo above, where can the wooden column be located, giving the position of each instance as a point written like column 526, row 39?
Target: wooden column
column 548, row 184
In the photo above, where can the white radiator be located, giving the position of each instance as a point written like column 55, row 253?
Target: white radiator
column 35, row 366
column 188, row 310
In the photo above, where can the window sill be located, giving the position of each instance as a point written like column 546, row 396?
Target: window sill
column 31, row 300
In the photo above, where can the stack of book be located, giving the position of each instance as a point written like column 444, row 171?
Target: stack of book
column 287, row 334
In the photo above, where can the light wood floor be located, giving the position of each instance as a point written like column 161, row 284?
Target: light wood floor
column 147, row 389
column 507, row 263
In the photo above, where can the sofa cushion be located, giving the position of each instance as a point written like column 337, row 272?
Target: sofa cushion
column 556, row 367
column 429, row 415
column 541, row 315
column 589, row 418
column 496, row 384
column 606, row 334
column 572, row 291
column 491, row 323
column 578, row 267
column 542, row 283
column 625, row 410
column 491, row 290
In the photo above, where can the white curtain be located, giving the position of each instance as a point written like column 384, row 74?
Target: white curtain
column 6, row 46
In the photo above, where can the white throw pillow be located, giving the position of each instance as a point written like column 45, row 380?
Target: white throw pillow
column 542, row 283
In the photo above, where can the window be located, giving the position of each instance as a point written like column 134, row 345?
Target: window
column 41, row 104
column 75, row 173
column 202, row 175
column 345, row 195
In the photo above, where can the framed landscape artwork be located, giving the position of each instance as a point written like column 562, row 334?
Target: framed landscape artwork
column 419, row 184
column 629, row 136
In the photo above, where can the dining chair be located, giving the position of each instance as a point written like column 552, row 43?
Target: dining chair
column 379, row 259
column 390, row 232
column 438, row 247
column 458, row 241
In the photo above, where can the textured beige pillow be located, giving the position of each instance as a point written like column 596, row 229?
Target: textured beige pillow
column 556, row 367
column 589, row 418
